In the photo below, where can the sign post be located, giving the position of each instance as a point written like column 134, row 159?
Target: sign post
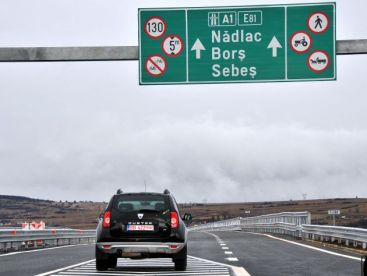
column 333, row 213
column 237, row 44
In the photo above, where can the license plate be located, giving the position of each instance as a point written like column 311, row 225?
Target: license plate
column 140, row 227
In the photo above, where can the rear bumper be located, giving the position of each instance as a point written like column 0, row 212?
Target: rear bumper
column 126, row 248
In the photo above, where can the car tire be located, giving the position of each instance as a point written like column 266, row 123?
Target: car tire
column 180, row 260
column 112, row 261
column 101, row 264
column 180, row 265
column 102, row 260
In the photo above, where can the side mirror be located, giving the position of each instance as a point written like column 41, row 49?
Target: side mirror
column 187, row 217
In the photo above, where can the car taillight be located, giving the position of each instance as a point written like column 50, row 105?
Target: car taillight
column 107, row 219
column 174, row 220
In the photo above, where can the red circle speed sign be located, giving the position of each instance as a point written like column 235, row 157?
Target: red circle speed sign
column 155, row 27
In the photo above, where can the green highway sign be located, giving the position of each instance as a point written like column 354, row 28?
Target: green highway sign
column 237, row 44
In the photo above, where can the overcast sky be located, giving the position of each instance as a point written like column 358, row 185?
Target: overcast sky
column 81, row 130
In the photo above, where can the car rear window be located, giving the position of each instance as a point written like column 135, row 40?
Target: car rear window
column 141, row 203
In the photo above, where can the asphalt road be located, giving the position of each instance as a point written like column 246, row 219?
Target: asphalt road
column 35, row 262
column 259, row 255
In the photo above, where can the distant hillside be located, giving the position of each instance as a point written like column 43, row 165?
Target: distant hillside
column 353, row 210
column 83, row 214
column 17, row 209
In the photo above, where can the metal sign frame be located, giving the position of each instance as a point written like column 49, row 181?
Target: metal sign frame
column 188, row 45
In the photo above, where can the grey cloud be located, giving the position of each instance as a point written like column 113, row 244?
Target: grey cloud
column 204, row 160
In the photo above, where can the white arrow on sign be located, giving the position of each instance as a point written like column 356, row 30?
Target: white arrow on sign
column 274, row 44
column 198, row 46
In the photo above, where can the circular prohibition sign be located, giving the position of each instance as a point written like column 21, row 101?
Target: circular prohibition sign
column 318, row 61
column 172, row 45
column 155, row 27
column 318, row 22
column 155, row 65
column 300, row 42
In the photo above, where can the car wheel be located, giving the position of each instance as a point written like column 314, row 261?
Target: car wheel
column 102, row 260
column 112, row 261
column 180, row 265
column 101, row 265
column 180, row 260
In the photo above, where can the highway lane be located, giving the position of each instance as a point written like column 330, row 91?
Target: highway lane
column 35, row 262
column 58, row 261
column 261, row 255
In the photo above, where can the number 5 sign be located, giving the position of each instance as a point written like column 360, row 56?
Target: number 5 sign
column 172, row 45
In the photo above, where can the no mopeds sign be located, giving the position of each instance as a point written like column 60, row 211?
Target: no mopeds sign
column 155, row 65
column 237, row 44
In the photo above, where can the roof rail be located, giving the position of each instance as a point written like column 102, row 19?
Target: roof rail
column 166, row 192
column 119, row 191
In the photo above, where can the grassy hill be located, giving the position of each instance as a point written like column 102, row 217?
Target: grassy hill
column 353, row 210
column 17, row 209
column 83, row 214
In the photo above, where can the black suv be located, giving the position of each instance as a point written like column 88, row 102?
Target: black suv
column 141, row 225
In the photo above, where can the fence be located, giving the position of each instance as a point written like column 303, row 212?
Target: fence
column 296, row 224
column 18, row 239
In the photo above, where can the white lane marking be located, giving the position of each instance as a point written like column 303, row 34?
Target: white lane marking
column 195, row 267
column 42, row 249
column 232, row 259
column 225, row 248
column 311, row 247
column 228, row 252
column 238, row 271
column 171, row 273
column 64, row 268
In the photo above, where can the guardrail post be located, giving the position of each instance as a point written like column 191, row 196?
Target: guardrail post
column 364, row 245
column 347, row 242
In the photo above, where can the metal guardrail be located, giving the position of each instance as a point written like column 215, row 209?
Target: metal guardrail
column 18, row 239
column 358, row 236
column 296, row 224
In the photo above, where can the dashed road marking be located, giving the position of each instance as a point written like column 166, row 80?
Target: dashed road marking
column 237, row 270
column 232, row 259
column 127, row 267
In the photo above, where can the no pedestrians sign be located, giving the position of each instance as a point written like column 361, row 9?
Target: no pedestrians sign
column 237, row 44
